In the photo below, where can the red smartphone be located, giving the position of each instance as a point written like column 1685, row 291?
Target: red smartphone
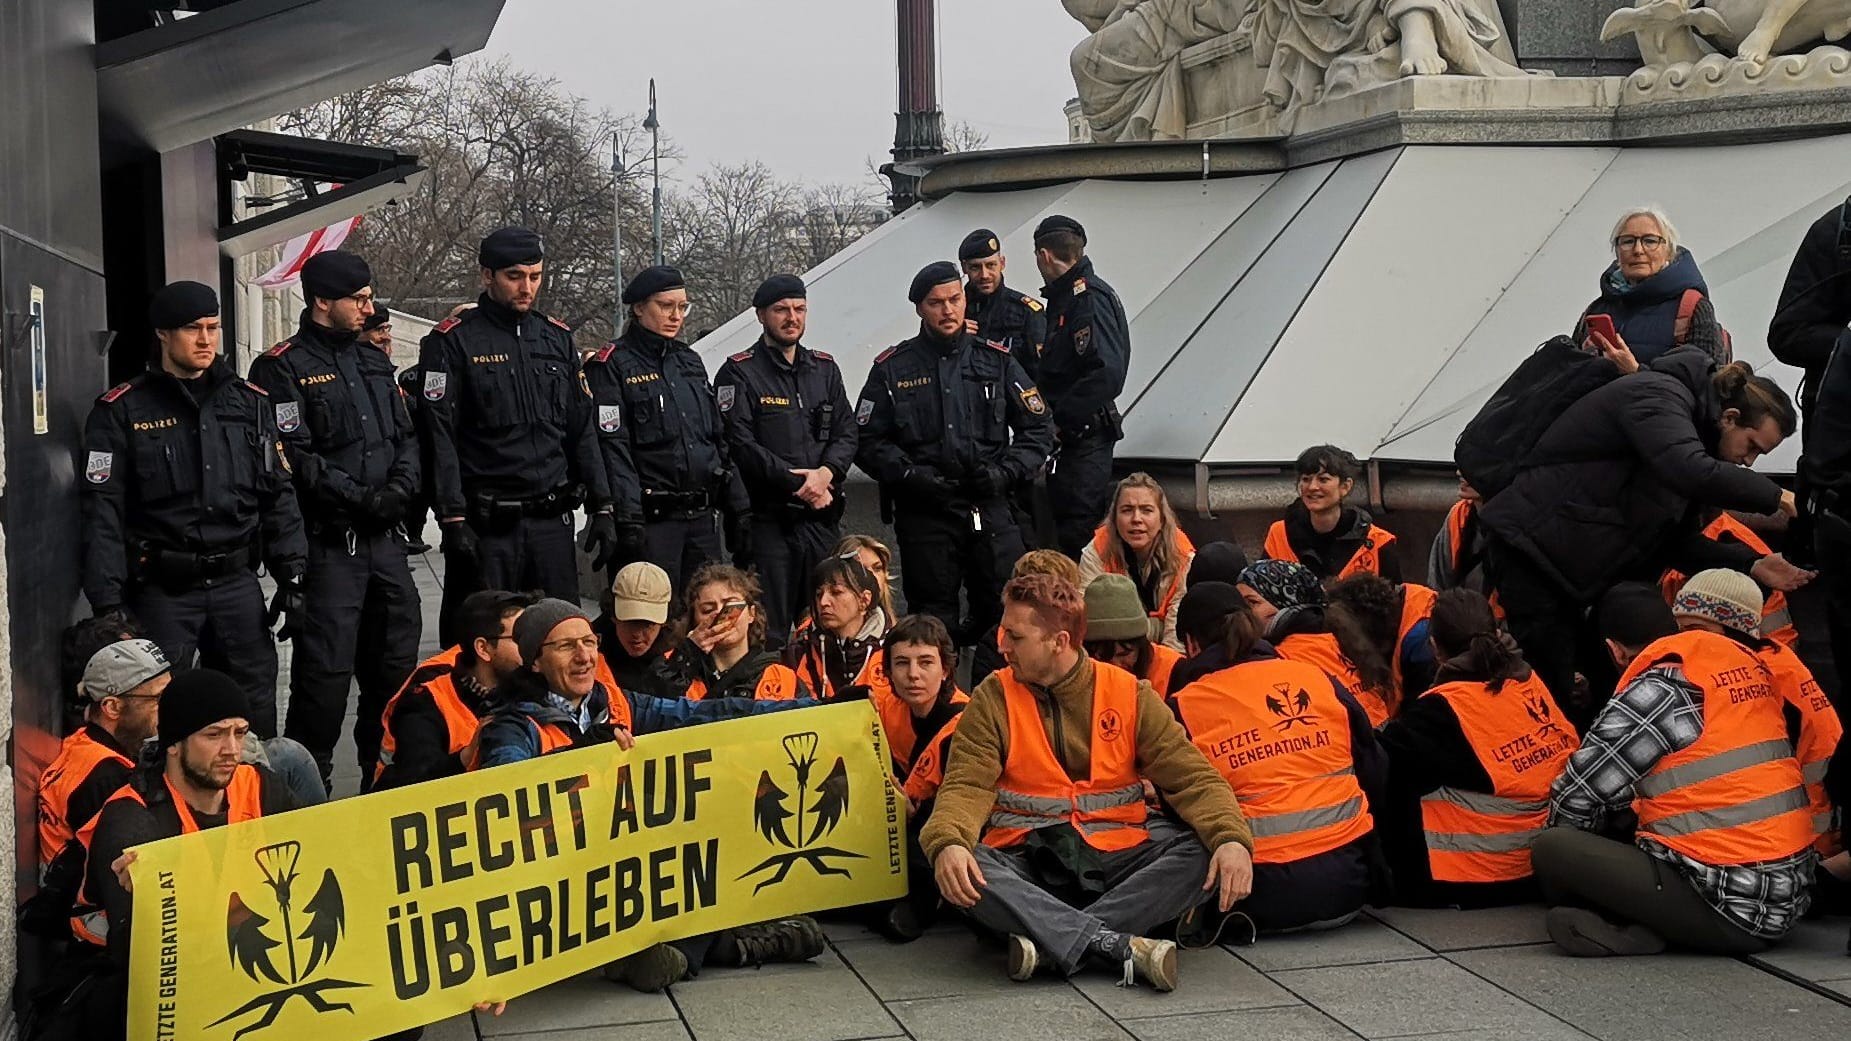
column 1603, row 324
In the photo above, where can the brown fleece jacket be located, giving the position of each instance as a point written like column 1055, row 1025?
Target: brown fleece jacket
column 1165, row 756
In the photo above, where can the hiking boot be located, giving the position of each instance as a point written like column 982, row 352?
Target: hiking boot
column 793, row 939
column 1024, row 958
column 1154, row 960
column 650, row 970
column 1585, row 934
column 899, row 922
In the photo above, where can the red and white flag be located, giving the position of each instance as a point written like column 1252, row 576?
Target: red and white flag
column 288, row 269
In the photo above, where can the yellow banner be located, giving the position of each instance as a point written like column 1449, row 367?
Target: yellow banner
column 402, row 908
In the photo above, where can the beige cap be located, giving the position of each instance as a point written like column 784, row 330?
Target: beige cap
column 640, row 593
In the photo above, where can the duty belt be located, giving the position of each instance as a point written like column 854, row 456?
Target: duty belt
column 500, row 508
column 657, row 505
column 180, row 568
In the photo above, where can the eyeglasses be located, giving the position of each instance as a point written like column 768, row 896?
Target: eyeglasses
column 1645, row 242
column 680, row 309
column 362, row 298
column 583, row 643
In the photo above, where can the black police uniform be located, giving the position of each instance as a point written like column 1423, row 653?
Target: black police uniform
column 1082, row 372
column 186, row 488
column 664, row 449
column 350, row 441
column 1015, row 320
column 784, row 415
column 934, row 416
column 513, row 446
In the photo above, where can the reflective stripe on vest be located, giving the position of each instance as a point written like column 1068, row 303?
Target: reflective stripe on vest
column 460, row 724
column 1034, row 790
column 1280, row 736
column 1181, row 549
column 1820, row 732
column 1520, row 738
column 1735, row 796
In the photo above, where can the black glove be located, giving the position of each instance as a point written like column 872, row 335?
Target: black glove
column 387, row 505
column 288, row 604
column 632, row 544
column 414, row 535
column 987, row 481
column 925, row 482
column 858, row 692
column 739, row 539
column 459, row 540
column 601, row 540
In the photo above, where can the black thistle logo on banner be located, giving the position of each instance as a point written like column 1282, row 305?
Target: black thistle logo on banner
column 1294, row 709
column 253, row 950
column 819, row 810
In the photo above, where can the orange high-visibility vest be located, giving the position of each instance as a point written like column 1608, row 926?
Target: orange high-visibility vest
column 553, row 737
column 872, row 674
column 1457, row 520
column 1279, row 734
column 928, row 772
column 1321, row 650
column 1521, row 738
column 1034, row 791
column 777, row 683
column 897, row 722
column 1820, row 731
column 1180, row 548
column 1163, row 661
column 1416, row 607
column 435, row 676
column 78, row 757
column 1776, row 616
column 1735, row 796
column 1366, row 559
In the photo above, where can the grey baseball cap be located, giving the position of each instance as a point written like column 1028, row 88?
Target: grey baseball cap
column 121, row 667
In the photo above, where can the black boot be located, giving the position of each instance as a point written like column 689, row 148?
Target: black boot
column 797, row 938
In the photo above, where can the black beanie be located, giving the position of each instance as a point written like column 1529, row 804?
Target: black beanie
column 335, row 274
column 196, row 699
column 1633, row 614
column 650, row 281
column 181, row 304
column 930, row 277
column 1217, row 562
column 1204, row 610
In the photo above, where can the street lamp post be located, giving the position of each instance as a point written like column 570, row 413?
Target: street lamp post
column 617, row 173
column 655, row 149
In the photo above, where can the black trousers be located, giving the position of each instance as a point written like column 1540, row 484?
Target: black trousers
column 224, row 625
column 679, row 544
column 534, row 554
column 784, row 551
column 363, row 622
column 1080, row 490
column 1556, row 633
column 942, row 551
column 1832, row 556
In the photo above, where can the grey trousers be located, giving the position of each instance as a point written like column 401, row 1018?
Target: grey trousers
column 1627, row 884
column 1146, row 886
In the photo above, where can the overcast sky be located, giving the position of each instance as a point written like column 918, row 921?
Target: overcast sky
column 807, row 86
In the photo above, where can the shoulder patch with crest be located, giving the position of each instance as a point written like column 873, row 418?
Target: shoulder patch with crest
column 98, row 466
column 1079, row 286
column 262, row 392
column 727, row 394
column 447, row 324
column 116, row 391
column 289, row 416
column 610, row 418
column 1031, row 400
column 278, row 350
column 435, row 383
column 864, row 412
column 1083, row 340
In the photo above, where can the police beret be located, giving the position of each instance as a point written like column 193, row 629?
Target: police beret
column 335, row 274
column 934, row 274
column 779, row 287
column 180, row 304
column 979, row 244
column 650, row 281
column 510, row 247
column 380, row 316
column 1058, row 223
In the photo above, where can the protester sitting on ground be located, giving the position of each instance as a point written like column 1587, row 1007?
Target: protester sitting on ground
column 1290, row 601
column 724, row 654
column 1609, row 494
column 1320, row 532
column 555, row 703
column 1025, row 834
column 1393, row 617
column 1141, row 539
column 633, row 627
column 1217, row 562
column 1202, row 622
column 874, row 555
column 843, row 648
column 1300, row 755
column 432, row 721
column 1035, row 562
column 1776, row 617
column 1457, row 560
column 1654, row 295
column 1695, row 745
column 1470, row 765
column 1118, row 632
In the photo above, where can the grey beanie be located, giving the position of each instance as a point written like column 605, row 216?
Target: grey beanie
column 538, row 622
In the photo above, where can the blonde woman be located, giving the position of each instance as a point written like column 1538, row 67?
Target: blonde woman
column 877, row 558
column 1141, row 540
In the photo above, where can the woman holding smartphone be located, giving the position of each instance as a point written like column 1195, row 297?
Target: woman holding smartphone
column 724, row 654
column 1652, row 298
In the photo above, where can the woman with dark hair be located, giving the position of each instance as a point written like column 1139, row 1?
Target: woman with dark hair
column 1320, row 532
column 724, row 653
column 1300, row 754
column 1300, row 623
column 1470, row 765
column 841, row 648
column 1614, row 490
column 1394, row 616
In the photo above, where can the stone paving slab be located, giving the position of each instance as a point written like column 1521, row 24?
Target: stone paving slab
column 937, row 965
column 1430, row 996
column 1666, row 997
column 1443, row 929
column 1362, row 942
column 820, row 1002
column 1298, row 1023
column 1813, row 951
column 458, row 1028
column 669, row 1031
column 580, row 1002
column 1211, row 980
column 1039, row 1014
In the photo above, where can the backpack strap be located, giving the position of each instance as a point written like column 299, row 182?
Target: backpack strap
column 1686, row 309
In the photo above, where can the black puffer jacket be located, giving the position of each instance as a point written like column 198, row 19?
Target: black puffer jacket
column 1613, row 487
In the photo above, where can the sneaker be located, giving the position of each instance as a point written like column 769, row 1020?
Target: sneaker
column 1024, row 958
column 650, row 970
column 899, row 922
column 1154, row 960
column 793, row 939
column 1585, row 934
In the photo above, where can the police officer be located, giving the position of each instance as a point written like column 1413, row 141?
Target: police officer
column 377, row 329
column 1082, row 371
column 936, row 417
column 513, row 446
column 660, row 429
column 993, row 311
column 789, row 431
column 186, row 486
column 350, row 442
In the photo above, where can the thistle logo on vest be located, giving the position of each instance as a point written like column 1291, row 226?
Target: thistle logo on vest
column 1110, row 726
column 819, row 810
column 1538, row 707
column 252, row 947
column 1293, row 709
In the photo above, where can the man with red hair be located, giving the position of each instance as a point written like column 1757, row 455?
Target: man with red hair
column 1040, row 830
